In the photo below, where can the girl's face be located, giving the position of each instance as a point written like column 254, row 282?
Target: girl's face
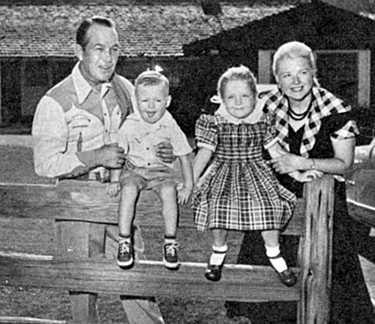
column 238, row 99
column 295, row 78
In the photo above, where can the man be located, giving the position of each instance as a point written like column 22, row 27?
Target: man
column 76, row 122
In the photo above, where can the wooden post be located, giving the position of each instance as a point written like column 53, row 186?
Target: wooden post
column 80, row 240
column 314, row 306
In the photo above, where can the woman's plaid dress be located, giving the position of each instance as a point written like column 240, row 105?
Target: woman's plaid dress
column 239, row 190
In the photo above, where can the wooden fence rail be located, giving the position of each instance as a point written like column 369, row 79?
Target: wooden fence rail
column 82, row 210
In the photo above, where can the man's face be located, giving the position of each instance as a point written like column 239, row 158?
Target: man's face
column 99, row 58
column 153, row 101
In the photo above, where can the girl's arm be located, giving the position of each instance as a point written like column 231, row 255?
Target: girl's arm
column 187, row 178
column 343, row 159
column 200, row 162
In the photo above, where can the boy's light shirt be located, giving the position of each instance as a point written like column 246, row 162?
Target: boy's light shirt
column 139, row 139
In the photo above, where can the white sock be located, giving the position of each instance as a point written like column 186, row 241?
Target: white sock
column 218, row 258
column 169, row 240
column 279, row 263
column 124, row 239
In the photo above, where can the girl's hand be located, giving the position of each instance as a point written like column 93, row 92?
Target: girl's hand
column 113, row 189
column 183, row 195
column 287, row 163
column 309, row 175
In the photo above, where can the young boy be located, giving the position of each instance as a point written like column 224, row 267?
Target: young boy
column 141, row 132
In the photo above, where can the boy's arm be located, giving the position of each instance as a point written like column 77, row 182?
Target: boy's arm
column 187, row 177
column 200, row 162
column 187, row 171
column 115, row 175
column 113, row 188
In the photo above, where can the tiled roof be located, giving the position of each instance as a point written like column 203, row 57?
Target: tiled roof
column 144, row 30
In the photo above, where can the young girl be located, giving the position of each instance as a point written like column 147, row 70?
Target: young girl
column 239, row 190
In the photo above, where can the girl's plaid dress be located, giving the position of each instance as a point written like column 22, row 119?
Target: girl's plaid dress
column 239, row 190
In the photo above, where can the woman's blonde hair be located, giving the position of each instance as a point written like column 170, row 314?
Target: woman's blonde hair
column 237, row 73
column 294, row 50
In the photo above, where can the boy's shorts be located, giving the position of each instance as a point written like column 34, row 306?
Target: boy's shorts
column 149, row 178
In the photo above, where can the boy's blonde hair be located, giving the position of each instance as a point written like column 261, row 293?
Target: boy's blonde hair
column 237, row 73
column 293, row 50
column 148, row 78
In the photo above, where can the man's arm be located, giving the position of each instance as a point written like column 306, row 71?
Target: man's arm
column 50, row 136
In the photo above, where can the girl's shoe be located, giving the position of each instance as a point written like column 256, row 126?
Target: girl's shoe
column 287, row 277
column 213, row 271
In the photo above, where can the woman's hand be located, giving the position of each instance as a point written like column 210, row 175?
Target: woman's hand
column 309, row 175
column 287, row 163
column 164, row 151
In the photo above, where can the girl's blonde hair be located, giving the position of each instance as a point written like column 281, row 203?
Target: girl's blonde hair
column 237, row 73
column 293, row 50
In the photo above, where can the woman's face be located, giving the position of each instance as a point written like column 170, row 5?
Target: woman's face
column 295, row 78
column 238, row 99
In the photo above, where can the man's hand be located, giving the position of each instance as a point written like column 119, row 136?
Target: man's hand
column 110, row 156
column 164, row 151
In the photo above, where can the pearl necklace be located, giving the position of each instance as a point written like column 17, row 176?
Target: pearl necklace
column 297, row 116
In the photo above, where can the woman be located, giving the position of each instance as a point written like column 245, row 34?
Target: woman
column 318, row 131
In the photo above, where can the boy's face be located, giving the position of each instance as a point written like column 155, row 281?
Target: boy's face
column 153, row 101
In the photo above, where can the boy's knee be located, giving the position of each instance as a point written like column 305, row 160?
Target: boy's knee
column 168, row 189
column 130, row 185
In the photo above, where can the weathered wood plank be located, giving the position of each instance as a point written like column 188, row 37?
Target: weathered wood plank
column 88, row 201
column 146, row 278
column 27, row 320
column 317, row 252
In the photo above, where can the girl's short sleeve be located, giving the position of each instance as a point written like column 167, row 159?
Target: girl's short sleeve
column 270, row 131
column 206, row 132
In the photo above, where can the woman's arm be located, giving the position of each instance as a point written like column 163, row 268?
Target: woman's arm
column 276, row 151
column 284, row 162
column 200, row 162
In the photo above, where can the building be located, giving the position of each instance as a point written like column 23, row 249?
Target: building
column 191, row 43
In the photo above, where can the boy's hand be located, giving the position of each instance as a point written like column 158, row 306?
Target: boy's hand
column 183, row 195
column 113, row 189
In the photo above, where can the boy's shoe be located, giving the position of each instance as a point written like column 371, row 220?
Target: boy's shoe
column 170, row 256
column 125, row 254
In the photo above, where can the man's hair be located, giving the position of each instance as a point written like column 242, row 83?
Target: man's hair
column 237, row 73
column 82, row 31
column 148, row 78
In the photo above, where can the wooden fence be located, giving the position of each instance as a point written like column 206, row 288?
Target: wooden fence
column 82, row 211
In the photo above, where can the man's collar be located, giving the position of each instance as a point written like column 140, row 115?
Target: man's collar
column 82, row 87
